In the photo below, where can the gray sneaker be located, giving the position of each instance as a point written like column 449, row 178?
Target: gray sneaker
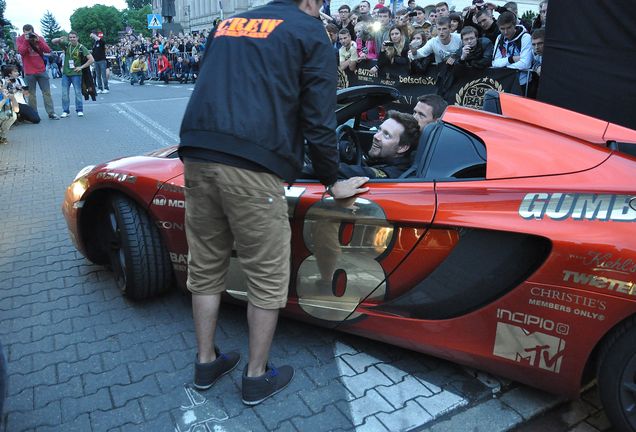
column 257, row 389
column 206, row 374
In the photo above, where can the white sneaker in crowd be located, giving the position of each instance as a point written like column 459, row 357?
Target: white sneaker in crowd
column 64, row 115
column 99, row 91
column 105, row 91
column 80, row 114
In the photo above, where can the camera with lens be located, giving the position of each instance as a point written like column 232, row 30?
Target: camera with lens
column 10, row 88
column 388, row 44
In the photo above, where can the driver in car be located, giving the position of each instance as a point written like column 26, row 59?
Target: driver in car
column 389, row 155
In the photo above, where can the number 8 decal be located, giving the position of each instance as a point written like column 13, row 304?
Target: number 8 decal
column 343, row 269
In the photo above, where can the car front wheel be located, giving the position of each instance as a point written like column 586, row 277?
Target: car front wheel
column 617, row 377
column 137, row 255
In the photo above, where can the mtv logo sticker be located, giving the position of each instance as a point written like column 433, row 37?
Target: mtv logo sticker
column 533, row 348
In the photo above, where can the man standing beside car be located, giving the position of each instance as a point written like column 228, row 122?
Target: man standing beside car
column 235, row 166
column 32, row 48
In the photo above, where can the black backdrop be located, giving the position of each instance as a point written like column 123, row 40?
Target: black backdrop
column 589, row 62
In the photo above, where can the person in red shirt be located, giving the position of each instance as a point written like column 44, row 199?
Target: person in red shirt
column 32, row 48
column 164, row 67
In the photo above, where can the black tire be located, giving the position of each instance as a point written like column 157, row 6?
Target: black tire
column 137, row 255
column 617, row 376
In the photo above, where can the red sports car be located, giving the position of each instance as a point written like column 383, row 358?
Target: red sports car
column 509, row 246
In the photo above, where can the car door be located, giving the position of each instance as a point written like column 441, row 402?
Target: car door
column 345, row 254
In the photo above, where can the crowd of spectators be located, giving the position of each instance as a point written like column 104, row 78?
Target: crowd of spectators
column 166, row 58
column 480, row 36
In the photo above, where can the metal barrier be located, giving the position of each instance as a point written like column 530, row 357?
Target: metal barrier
column 120, row 64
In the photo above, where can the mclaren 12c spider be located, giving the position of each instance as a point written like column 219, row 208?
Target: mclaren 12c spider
column 509, row 246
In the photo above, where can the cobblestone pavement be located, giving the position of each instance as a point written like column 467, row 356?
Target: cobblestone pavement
column 582, row 415
column 81, row 357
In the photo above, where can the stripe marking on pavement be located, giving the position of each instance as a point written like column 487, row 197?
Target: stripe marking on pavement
column 155, row 125
column 161, row 141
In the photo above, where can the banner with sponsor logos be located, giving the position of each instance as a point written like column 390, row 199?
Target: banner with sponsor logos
column 466, row 89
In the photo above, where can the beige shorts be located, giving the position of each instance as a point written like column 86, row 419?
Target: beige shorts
column 226, row 207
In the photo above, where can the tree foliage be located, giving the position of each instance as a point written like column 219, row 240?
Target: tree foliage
column 110, row 21
column 5, row 25
column 529, row 16
column 138, row 4
column 50, row 27
column 106, row 18
column 137, row 19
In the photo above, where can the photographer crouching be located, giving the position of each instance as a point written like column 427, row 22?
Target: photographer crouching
column 15, row 85
column 32, row 48
column 8, row 110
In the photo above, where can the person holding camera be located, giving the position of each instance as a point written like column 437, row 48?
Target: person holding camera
column 32, row 49
column 15, row 85
column 419, row 16
column 476, row 52
column 138, row 70
column 381, row 32
column 8, row 112
column 403, row 21
column 418, row 40
column 394, row 51
column 365, row 43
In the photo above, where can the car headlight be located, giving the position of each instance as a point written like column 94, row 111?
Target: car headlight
column 84, row 171
column 79, row 187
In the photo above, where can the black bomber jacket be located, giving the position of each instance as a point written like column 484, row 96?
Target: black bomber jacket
column 267, row 83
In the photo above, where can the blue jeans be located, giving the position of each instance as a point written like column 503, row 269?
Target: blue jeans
column 100, row 75
column 76, row 80
column 134, row 76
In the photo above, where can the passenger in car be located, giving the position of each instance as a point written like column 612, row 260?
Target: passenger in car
column 429, row 109
column 391, row 149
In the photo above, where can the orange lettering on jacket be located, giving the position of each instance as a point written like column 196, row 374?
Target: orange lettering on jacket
column 256, row 28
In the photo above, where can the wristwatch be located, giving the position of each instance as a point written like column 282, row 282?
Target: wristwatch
column 328, row 191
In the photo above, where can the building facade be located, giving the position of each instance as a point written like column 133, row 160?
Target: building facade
column 197, row 15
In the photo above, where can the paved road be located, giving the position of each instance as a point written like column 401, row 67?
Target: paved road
column 81, row 357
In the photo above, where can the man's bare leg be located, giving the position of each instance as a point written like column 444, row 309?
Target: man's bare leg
column 262, row 324
column 205, row 311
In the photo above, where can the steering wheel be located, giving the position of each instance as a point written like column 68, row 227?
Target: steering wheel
column 348, row 145
column 349, row 150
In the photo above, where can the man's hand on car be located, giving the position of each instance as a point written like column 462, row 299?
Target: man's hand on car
column 348, row 188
